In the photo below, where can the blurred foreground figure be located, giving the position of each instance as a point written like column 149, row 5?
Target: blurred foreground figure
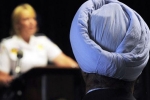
column 111, row 43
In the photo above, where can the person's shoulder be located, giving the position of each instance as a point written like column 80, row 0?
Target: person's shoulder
column 41, row 37
column 8, row 40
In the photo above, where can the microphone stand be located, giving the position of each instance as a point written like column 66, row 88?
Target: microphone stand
column 17, row 70
column 14, row 92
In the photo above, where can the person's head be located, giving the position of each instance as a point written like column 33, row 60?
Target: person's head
column 110, row 39
column 24, row 20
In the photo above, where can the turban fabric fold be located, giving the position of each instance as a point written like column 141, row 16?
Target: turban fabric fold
column 111, row 39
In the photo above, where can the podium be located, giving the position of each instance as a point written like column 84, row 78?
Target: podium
column 50, row 83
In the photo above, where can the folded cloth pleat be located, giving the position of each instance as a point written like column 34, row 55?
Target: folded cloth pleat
column 111, row 39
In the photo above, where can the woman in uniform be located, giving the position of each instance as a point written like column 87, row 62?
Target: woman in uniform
column 36, row 50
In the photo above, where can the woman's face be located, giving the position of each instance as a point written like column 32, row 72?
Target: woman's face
column 27, row 24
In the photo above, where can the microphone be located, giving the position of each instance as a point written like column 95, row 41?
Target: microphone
column 18, row 67
column 19, row 54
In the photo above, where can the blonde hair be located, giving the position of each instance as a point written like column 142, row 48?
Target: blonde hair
column 16, row 16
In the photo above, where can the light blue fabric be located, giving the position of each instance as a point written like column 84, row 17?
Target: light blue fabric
column 111, row 39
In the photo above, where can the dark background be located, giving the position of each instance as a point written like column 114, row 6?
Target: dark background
column 55, row 17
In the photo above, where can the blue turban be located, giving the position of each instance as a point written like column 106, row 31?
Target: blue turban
column 111, row 39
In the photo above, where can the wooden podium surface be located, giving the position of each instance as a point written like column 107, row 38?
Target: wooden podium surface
column 50, row 83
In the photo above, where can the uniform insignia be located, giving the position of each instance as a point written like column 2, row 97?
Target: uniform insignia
column 40, row 46
column 14, row 50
